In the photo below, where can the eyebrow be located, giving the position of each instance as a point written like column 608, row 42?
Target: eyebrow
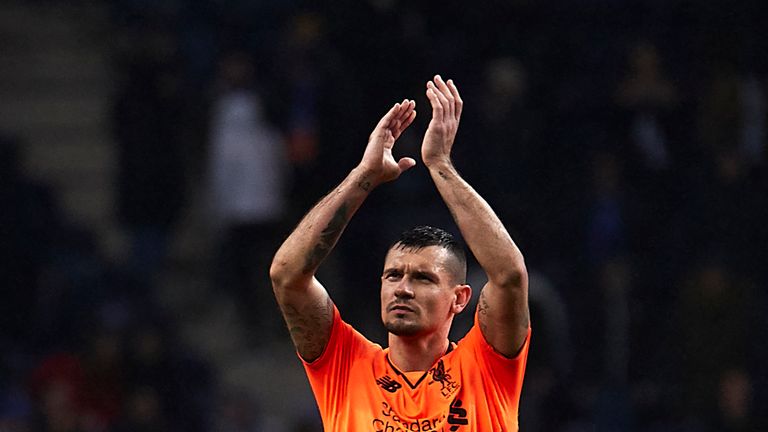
column 417, row 273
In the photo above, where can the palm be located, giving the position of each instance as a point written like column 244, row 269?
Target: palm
column 378, row 157
column 436, row 144
column 446, row 112
column 389, row 164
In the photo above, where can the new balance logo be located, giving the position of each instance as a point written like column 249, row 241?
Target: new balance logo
column 388, row 384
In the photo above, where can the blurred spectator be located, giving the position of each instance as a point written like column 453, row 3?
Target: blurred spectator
column 507, row 123
column 736, row 405
column 71, row 287
column 164, row 376
column 238, row 412
column 609, row 268
column 143, row 412
column 545, row 402
column 80, row 391
column 716, row 322
column 607, row 236
column 57, row 389
column 754, row 109
column 15, row 405
column 656, row 152
column 650, row 97
column 307, row 425
column 614, row 409
column 302, row 52
column 103, row 379
column 309, row 75
column 150, row 182
column 29, row 221
column 732, row 117
column 247, row 176
column 729, row 200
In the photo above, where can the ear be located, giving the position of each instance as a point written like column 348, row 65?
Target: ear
column 463, row 295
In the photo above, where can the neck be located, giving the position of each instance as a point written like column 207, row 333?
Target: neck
column 417, row 353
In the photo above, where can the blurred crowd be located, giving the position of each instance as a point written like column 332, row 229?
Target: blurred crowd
column 623, row 143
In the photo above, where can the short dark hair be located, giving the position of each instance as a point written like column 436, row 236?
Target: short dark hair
column 423, row 236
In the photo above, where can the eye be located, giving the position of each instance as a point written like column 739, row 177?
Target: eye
column 393, row 275
column 423, row 277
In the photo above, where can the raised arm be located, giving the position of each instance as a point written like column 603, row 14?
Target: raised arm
column 503, row 304
column 305, row 304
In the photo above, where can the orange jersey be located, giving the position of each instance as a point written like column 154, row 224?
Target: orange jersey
column 470, row 388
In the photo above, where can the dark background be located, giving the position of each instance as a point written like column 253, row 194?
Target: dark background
column 623, row 144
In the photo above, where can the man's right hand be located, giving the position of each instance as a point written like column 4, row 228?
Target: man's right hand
column 446, row 113
column 378, row 163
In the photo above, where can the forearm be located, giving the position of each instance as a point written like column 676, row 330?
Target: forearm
column 480, row 227
column 299, row 257
column 502, row 308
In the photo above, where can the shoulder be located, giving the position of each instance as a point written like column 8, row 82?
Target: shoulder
column 486, row 372
column 475, row 342
column 345, row 344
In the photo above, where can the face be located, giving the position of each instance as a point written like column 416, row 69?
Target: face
column 418, row 291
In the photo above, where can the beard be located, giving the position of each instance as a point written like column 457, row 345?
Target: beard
column 401, row 327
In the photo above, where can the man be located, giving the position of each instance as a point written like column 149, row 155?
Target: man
column 422, row 382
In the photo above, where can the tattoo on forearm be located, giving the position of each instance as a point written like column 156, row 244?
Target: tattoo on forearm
column 364, row 184
column 310, row 327
column 328, row 238
column 442, row 174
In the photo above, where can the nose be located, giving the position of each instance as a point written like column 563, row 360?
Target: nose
column 404, row 289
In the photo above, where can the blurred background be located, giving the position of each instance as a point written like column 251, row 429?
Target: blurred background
column 154, row 155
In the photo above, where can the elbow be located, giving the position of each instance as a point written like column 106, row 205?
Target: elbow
column 513, row 277
column 279, row 273
column 284, row 276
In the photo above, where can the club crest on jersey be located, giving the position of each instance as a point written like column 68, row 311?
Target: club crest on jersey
column 388, row 384
column 448, row 386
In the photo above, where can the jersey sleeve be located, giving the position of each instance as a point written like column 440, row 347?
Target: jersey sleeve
column 329, row 373
column 502, row 377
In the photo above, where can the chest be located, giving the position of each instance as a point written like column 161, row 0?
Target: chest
column 382, row 398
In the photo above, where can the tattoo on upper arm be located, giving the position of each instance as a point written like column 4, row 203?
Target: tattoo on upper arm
column 310, row 327
column 482, row 312
column 328, row 237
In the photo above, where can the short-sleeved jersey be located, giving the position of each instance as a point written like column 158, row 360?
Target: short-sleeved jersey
column 470, row 388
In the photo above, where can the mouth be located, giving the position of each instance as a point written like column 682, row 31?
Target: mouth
column 400, row 308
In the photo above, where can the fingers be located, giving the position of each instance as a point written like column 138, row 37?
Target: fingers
column 406, row 163
column 399, row 113
column 445, row 96
column 406, row 109
column 434, row 100
column 389, row 117
column 405, row 123
column 458, row 102
column 404, row 118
